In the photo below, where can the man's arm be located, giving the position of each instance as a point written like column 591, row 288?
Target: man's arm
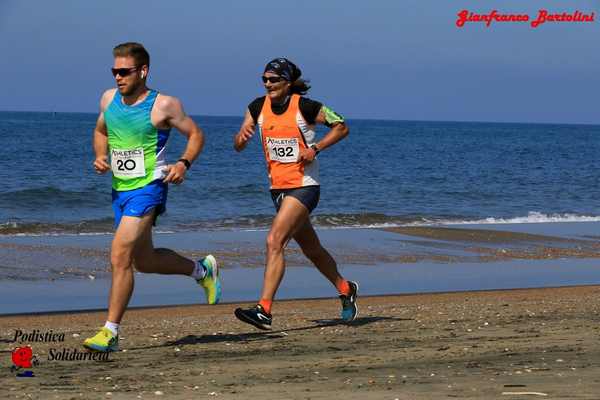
column 245, row 134
column 174, row 116
column 101, row 136
column 338, row 131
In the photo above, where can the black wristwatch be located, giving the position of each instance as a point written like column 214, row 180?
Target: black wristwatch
column 185, row 162
column 314, row 147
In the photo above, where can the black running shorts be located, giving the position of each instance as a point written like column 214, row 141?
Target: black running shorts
column 307, row 195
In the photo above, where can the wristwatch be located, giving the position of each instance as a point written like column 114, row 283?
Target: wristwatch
column 185, row 162
column 315, row 148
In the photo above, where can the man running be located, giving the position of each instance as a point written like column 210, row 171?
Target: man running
column 286, row 122
column 133, row 127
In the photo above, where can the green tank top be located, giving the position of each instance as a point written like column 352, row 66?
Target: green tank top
column 136, row 147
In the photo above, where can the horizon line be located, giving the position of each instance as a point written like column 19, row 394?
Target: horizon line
column 356, row 119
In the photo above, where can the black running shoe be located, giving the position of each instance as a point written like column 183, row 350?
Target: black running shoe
column 349, row 307
column 256, row 316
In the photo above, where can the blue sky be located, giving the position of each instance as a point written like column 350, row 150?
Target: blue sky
column 400, row 59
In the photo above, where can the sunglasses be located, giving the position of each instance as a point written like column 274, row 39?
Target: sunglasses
column 272, row 79
column 122, row 71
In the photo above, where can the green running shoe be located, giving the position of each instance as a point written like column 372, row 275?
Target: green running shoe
column 211, row 281
column 104, row 341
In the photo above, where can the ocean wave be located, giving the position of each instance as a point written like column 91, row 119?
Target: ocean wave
column 533, row 217
column 263, row 222
column 91, row 227
column 51, row 197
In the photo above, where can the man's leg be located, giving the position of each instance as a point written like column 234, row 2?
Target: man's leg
column 159, row 261
column 165, row 261
column 130, row 234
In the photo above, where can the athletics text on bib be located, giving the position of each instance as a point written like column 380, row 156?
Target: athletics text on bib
column 128, row 163
column 283, row 150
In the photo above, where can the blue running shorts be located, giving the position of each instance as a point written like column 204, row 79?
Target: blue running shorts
column 139, row 202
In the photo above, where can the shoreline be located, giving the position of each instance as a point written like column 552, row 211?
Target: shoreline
column 69, row 273
column 158, row 308
column 481, row 345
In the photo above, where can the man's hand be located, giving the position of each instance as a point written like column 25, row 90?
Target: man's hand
column 101, row 165
column 307, row 155
column 175, row 173
column 100, row 142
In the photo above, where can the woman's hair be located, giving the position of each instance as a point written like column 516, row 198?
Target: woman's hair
column 300, row 86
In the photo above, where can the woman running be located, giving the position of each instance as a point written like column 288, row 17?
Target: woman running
column 286, row 122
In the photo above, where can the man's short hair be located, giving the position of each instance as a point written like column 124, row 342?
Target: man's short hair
column 134, row 50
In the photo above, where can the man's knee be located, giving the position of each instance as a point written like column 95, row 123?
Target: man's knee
column 120, row 260
column 121, row 254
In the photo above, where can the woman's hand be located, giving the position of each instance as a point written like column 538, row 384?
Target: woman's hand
column 307, row 155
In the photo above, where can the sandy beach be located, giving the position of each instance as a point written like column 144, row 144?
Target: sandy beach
column 496, row 344
column 461, row 342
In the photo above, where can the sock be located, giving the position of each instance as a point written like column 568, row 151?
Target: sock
column 343, row 286
column 266, row 305
column 199, row 271
column 111, row 326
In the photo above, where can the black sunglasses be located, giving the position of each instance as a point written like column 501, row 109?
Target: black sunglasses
column 123, row 71
column 272, row 79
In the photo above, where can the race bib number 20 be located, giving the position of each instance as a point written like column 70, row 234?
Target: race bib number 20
column 127, row 163
column 284, row 150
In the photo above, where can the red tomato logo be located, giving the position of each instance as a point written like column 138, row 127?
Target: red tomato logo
column 21, row 357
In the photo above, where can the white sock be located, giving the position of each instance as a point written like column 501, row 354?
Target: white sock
column 199, row 271
column 111, row 326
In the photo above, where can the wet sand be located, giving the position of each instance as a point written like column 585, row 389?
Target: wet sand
column 494, row 245
column 59, row 257
column 499, row 344
column 71, row 272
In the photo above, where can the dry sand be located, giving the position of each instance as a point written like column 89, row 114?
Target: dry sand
column 515, row 344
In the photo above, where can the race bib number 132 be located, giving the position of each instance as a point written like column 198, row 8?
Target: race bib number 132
column 127, row 163
column 284, row 150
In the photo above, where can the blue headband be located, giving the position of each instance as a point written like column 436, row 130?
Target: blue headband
column 284, row 68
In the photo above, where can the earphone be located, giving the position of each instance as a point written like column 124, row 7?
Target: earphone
column 142, row 75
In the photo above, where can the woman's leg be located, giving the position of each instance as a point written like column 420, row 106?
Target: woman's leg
column 291, row 216
column 307, row 239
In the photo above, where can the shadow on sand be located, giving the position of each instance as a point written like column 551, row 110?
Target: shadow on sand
column 268, row 335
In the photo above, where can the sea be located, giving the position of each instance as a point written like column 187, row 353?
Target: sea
column 384, row 174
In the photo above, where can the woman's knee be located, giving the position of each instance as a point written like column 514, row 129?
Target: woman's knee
column 275, row 242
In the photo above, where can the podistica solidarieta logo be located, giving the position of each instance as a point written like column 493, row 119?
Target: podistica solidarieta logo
column 24, row 359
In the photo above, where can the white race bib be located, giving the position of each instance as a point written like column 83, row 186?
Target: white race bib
column 127, row 163
column 284, row 150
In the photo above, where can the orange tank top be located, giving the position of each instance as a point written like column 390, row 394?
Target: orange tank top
column 282, row 139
